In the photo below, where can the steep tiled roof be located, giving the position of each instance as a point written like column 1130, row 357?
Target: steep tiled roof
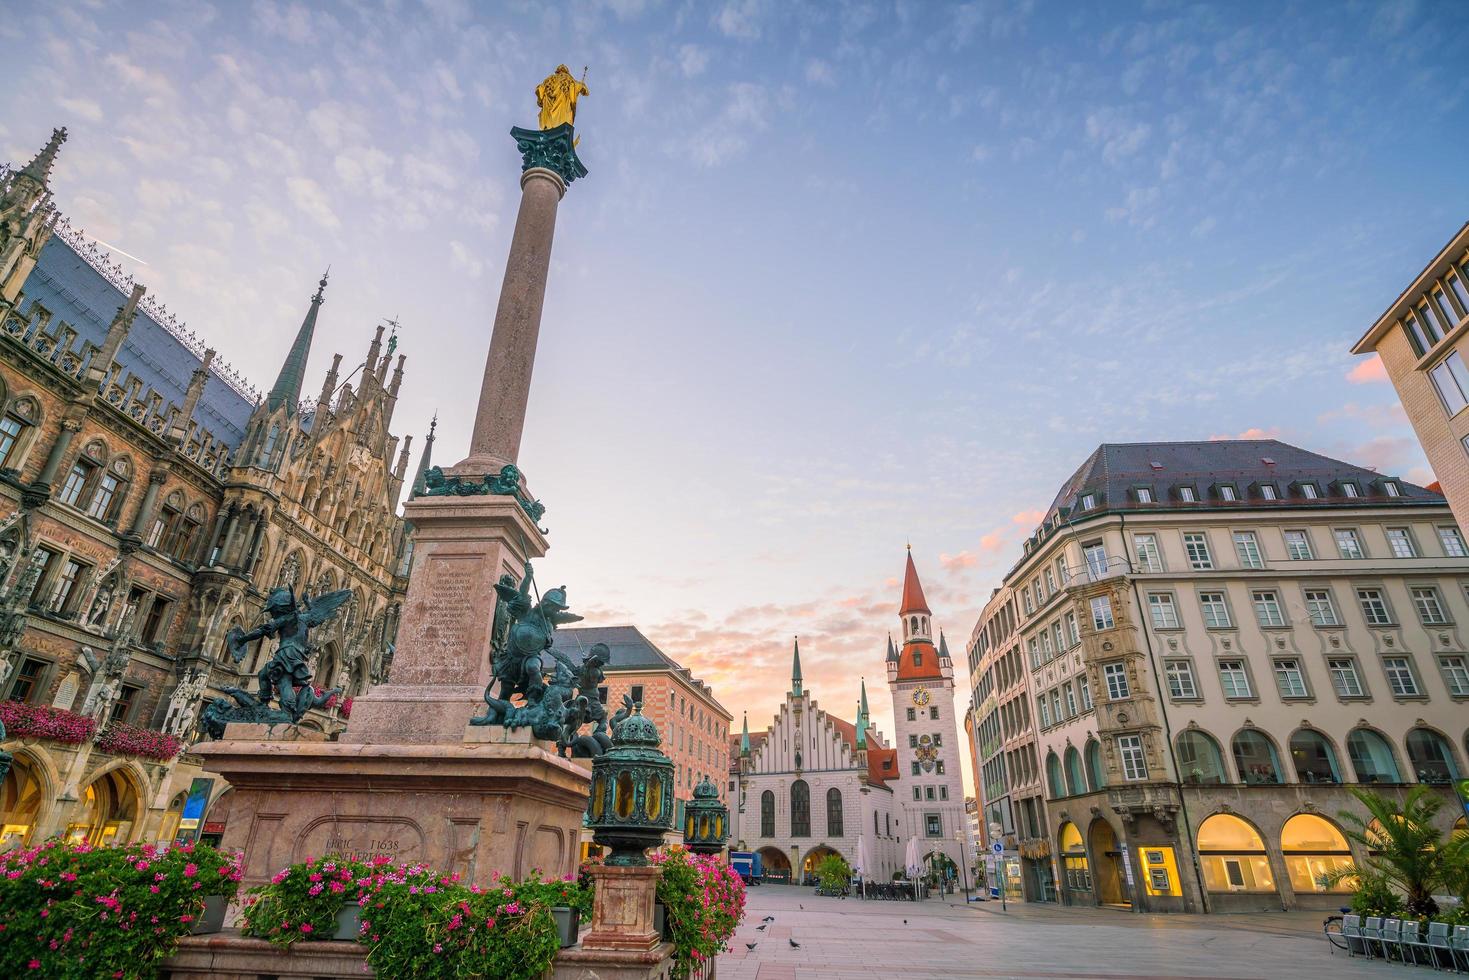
column 928, row 666
column 913, row 600
column 882, row 764
column 630, row 649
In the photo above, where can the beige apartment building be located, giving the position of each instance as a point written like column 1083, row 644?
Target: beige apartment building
column 1220, row 638
column 1421, row 339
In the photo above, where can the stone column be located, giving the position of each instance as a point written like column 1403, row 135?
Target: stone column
column 69, row 429
column 500, row 416
column 229, row 535
column 145, row 509
column 219, row 520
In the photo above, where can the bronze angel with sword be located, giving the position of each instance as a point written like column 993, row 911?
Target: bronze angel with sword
column 287, row 675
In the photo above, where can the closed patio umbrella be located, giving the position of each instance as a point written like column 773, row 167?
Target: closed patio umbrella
column 864, row 864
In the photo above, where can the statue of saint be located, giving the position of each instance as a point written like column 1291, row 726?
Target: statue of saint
column 557, row 97
column 287, row 676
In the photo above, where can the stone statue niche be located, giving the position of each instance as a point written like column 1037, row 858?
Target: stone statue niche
column 555, row 707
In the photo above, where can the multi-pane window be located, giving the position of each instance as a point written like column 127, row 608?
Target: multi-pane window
column 1400, row 679
column 1035, row 652
column 1247, row 547
column 1451, row 378
column 1391, row 489
column 10, row 430
column 1134, row 763
column 1348, row 545
column 1046, row 652
column 1144, row 495
column 1186, row 494
column 1145, row 546
column 1043, row 705
column 1455, row 674
column 1216, row 610
column 27, row 679
column 1430, row 609
column 1298, row 546
column 1196, row 545
column 1163, row 610
column 1453, row 542
column 1057, row 635
column 1374, row 607
column 1401, row 543
column 1102, row 613
column 1234, row 679
column 1086, row 695
column 1267, row 491
column 1344, row 678
column 1309, row 491
column 1050, row 581
column 102, row 499
column 1115, row 676
column 1088, row 501
column 1070, row 703
column 1073, row 630
column 1320, row 608
column 1226, row 492
column 1096, row 559
column 76, row 482
column 1267, row 607
column 122, row 708
column 1288, row 678
column 66, row 581
column 1180, row 675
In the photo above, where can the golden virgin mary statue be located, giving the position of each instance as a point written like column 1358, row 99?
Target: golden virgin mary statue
column 557, row 97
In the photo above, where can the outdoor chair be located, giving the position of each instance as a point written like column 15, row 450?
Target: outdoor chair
column 1460, row 943
column 1372, row 935
column 1411, row 941
column 1392, row 939
column 1351, row 931
column 1440, row 951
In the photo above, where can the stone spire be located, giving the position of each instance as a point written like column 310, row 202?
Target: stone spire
column 892, row 650
column 197, row 380
column 328, row 388
column 796, row 669
column 39, row 169
column 863, row 717
column 745, row 737
column 287, row 388
column 419, row 481
column 943, row 647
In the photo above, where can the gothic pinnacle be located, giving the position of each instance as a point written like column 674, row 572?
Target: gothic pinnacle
column 39, row 169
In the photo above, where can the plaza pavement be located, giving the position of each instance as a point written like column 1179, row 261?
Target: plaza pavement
column 850, row 938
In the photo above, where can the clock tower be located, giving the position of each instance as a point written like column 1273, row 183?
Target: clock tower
column 921, row 679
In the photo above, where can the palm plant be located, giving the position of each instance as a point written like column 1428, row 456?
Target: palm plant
column 1403, row 846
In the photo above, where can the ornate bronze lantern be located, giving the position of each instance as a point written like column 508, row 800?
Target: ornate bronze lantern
column 632, row 792
column 706, row 820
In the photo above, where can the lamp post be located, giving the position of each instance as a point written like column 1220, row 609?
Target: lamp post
column 963, row 863
column 706, row 820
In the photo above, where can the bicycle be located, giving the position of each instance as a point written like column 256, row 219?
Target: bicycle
column 1332, row 928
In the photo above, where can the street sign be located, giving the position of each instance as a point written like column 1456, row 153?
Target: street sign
column 998, row 847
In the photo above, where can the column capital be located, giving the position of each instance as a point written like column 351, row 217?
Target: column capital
column 157, row 476
column 71, row 425
column 549, row 149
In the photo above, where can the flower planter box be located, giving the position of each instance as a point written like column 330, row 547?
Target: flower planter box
column 568, row 924
column 348, row 922
column 211, row 920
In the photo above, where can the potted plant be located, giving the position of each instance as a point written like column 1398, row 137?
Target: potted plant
column 313, row 900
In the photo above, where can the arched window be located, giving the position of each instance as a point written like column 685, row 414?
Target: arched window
column 767, row 814
column 1313, row 757
column 917, row 657
column 834, row 812
column 1372, row 757
column 1233, row 856
column 1255, row 758
column 1053, row 776
column 1314, row 849
column 268, row 450
column 160, row 533
column 1075, row 778
column 16, row 427
column 1096, row 775
column 1199, row 758
column 800, row 809
column 1073, row 859
column 1431, row 757
column 913, row 625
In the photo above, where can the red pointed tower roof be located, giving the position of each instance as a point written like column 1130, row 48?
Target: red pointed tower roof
column 913, row 600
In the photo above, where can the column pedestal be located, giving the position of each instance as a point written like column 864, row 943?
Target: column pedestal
column 622, row 909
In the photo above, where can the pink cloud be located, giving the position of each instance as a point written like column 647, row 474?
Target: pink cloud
column 1368, row 371
column 1254, row 432
column 993, row 541
column 963, row 559
column 1029, row 518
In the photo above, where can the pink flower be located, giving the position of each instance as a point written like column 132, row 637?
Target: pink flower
column 306, row 927
column 190, row 870
column 141, row 865
column 34, row 965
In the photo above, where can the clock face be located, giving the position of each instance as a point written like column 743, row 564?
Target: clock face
column 920, row 696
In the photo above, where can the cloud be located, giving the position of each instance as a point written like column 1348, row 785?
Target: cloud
column 1203, row 227
column 820, row 72
column 727, row 134
column 980, row 153
column 963, row 559
column 740, row 19
column 309, row 197
column 1254, row 432
column 993, row 541
column 1387, row 454
column 692, row 60
column 1116, row 133
column 289, row 21
column 1387, row 416
column 84, row 108
column 1028, row 519
column 1368, row 371
column 461, row 259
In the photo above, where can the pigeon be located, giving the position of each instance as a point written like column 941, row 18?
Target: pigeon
column 751, row 945
column 761, row 927
column 905, row 922
column 800, row 906
column 794, row 944
column 768, row 918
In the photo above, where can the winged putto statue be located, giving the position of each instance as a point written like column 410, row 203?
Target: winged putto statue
column 286, row 676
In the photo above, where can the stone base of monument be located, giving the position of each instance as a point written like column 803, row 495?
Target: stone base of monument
column 494, row 803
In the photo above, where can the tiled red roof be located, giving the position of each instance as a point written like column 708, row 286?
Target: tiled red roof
column 928, row 667
column 913, row 600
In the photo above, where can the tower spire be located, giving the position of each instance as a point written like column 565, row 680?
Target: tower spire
column 913, row 600
column 863, row 717
column 796, row 669
column 420, row 481
column 745, row 737
column 39, row 169
column 287, row 388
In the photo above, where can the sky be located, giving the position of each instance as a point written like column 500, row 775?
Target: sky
column 843, row 276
